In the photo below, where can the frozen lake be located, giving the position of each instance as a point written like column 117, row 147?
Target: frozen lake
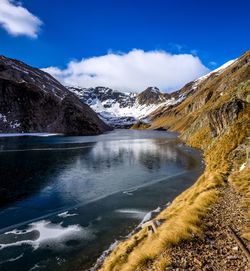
column 64, row 200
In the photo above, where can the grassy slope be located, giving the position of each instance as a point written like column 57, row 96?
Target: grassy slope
column 223, row 152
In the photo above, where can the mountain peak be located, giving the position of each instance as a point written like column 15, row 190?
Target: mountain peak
column 153, row 90
column 151, row 95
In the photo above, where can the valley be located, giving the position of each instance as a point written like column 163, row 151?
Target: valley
column 81, row 188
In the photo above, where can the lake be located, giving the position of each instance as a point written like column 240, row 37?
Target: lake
column 64, row 200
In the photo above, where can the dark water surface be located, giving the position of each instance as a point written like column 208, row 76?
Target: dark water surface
column 64, row 200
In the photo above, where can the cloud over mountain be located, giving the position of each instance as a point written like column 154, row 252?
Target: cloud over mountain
column 132, row 71
column 17, row 20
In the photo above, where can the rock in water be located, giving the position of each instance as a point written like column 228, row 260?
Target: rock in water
column 33, row 101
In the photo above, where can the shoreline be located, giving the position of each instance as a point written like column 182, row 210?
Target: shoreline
column 106, row 253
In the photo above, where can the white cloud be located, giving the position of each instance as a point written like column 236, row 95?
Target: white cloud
column 133, row 71
column 17, row 20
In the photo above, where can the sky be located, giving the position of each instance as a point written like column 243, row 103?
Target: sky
column 125, row 44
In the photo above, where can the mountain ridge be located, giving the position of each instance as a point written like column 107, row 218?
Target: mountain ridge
column 123, row 109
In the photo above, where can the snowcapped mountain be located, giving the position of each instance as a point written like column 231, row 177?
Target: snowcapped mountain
column 121, row 109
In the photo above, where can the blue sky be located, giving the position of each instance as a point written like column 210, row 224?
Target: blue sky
column 215, row 31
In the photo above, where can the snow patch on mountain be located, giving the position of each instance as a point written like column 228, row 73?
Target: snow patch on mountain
column 3, row 118
column 216, row 71
column 121, row 109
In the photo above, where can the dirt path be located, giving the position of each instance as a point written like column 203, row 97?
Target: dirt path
column 217, row 250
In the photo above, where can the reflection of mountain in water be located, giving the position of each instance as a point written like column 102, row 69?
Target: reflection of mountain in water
column 113, row 166
column 80, row 172
column 152, row 154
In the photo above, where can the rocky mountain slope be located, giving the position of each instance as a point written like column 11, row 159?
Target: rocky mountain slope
column 199, row 227
column 120, row 109
column 33, row 101
column 152, row 95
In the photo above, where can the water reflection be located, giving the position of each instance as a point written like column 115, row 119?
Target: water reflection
column 115, row 166
column 84, row 171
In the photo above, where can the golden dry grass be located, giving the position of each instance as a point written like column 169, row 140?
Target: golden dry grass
column 140, row 126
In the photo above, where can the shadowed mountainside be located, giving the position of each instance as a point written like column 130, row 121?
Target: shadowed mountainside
column 33, row 101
